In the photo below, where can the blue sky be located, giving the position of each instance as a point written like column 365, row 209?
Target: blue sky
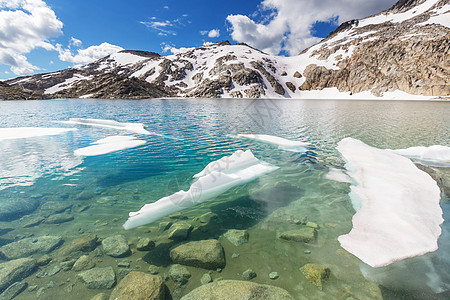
column 47, row 35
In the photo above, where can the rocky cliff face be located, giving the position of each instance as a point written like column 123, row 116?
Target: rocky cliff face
column 405, row 48
column 8, row 92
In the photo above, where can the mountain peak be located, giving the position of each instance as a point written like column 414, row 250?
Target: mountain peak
column 405, row 5
column 402, row 49
column 141, row 53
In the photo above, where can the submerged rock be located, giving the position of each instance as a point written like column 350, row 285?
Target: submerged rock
column 13, row 290
column 274, row 275
column 77, row 247
column 179, row 231
column 178, row 216
column 207, row 254
column 55, row 207
column 98, row 278
column 316, row 274
column 179, row 274
column 101, row 296
column 163, row 226
column 83, row 263
column 4, row 229
column 237, row 290
column 305, row 235
column 116, row 246
column 236, row 237
column 54, row 270
column 313, row 225
column 43, row 260
column 206, row 278
column 67, row 265
column 248, row 274
column 152, row 269
column 145, row 244
column 33, row 222
column 11, row 209
column 58, row 219
column 15, row 270
column 123, row 264
column 122, row 272
column 29, row 246
column 139, row 285
column 206, row 218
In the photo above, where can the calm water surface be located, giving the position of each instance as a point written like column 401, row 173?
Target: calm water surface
column 188, row 134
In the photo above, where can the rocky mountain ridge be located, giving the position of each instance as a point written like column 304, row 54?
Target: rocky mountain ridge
column 405, row 48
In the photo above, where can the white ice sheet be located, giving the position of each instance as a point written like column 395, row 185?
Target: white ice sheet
column 398, row 213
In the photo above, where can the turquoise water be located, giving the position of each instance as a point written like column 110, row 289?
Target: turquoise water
column 188, row 135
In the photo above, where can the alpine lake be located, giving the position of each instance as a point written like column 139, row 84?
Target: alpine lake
column 75, row 197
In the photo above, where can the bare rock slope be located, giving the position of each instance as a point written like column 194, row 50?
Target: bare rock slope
column 405, row 48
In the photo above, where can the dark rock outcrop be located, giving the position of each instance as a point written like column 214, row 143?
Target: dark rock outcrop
column 8, row 92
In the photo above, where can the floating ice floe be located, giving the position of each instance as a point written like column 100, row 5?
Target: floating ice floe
column 282, row 143
column 425, row 274
column 398, row 213
column 436, row 153
column 237, row 169
column 109, row 144
column 23, row 161
column 132, row 127
column 28, row 132
column 238, row 160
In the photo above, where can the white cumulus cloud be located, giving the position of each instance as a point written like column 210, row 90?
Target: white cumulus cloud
column 25, row 25
column 287, row 24
column 90, row 54
column 213, row 33
column 75, row 42
column 167, row 47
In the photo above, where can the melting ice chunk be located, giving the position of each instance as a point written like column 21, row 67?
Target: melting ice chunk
column 133, row 127
column 436, row 153
column 28, row 132
column 398, row 213
column 212, row 182
column 238, row 160
column 282, row 143
column 109, row 144
column 337, row 175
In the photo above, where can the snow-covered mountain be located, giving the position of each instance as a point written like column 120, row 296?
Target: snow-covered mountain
column 404, row 50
